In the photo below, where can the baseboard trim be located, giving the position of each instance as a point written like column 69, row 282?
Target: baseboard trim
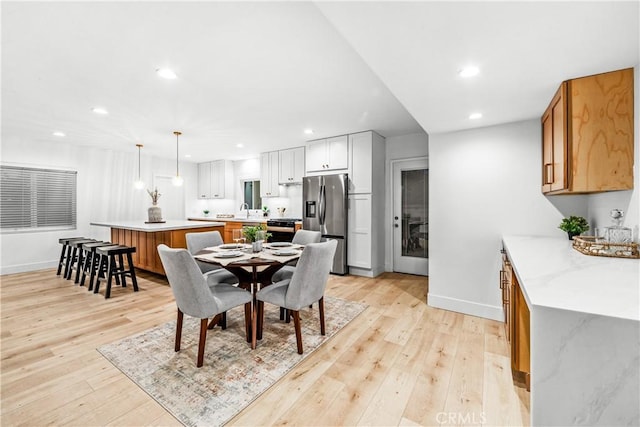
column 26, row 268
column 466, row 307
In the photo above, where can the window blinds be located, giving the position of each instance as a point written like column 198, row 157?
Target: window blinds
column 33, row 199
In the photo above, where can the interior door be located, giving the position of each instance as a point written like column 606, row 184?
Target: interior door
column 172, row 198
column 410, row 216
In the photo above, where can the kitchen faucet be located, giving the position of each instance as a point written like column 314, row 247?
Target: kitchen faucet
column 245, row 205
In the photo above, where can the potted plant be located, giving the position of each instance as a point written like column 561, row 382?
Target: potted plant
column 255, row 235
column 206, row 212
column 574, row 226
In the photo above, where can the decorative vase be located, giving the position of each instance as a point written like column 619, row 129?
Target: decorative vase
column 155, row 214
column 572, row 235
column 256, row 246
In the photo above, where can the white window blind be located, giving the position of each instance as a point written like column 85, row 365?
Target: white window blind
column 36, row 199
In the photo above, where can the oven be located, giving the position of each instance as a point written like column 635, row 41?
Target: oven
column 282, row 229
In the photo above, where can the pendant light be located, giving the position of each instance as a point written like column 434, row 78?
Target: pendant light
column 177, row 180
column 139, row 184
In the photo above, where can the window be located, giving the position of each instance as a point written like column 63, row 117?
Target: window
column 35, row 199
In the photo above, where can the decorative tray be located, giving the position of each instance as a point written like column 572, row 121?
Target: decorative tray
column 589, row 246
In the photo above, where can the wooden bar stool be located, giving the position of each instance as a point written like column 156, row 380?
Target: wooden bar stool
column 90, row 264
column 64, row 253
column 74, row 260
column 112, row 265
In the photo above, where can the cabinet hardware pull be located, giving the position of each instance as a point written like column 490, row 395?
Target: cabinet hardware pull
column 548, row 173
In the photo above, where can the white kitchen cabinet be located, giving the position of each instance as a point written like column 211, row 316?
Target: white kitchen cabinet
column 359, row 244
column 269, row 171
column 291, row 166
column 212, row 180
column 366, row 153
column 331, row 154
column 204, row 180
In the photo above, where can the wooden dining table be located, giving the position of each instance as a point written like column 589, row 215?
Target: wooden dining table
column 254, row 270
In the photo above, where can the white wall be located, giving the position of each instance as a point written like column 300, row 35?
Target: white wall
column 105, row 193
column 485, row 183
column 398, row 147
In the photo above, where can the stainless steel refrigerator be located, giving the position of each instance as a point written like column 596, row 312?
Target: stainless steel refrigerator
column 324, row 208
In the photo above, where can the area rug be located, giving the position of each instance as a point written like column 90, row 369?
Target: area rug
column 233, row 375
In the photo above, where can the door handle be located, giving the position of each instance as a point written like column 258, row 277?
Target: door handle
column 395, row 225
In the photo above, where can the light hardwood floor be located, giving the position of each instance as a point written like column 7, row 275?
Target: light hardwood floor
column 399, row 363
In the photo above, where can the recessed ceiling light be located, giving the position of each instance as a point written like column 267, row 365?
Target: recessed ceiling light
column 188, row 156
column 308, row 131
column 59, row 134
column 475, row 116
column 166, row 73
column 99, row 110
column 469, row 71
column 240, row 145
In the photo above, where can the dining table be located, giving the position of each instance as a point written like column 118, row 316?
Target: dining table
column 254, row 270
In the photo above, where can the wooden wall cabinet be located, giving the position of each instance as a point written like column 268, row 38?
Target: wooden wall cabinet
column 587, row 135
column 517, row 321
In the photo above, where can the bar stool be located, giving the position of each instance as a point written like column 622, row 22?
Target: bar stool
column 112, row 266
column 74, row 261
column 64, row 253
column 90, row 264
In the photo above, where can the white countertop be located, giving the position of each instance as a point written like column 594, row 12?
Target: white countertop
column 553, row 274
column 252, row 220
column 166, row 226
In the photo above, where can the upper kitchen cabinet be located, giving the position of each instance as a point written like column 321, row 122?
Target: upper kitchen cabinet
column 269, row 171
column 291, row 166
column 587, row 135
column 212, row 180
column 366, row 151
column 331, row 154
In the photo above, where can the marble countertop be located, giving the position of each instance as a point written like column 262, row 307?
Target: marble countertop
column 553, row 274
column 244, row 220
column 166, row 226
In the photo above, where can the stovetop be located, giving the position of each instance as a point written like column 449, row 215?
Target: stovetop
column 283, row 222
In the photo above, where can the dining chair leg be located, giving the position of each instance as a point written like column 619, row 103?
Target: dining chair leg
column 248, row 318
column 203, row 339
column 260, row 319
column 179, row 330
column 296, row 324
column 223, row 321
column 321, row 309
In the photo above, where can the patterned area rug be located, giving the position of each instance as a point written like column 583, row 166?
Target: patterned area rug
column 233, row 375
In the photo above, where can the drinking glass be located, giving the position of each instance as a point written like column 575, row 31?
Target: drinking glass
column 237, row 235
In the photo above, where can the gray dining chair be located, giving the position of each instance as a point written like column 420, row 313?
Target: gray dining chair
column 306, row 286
column 194, row 297
column 302, row 237
column 197, row 242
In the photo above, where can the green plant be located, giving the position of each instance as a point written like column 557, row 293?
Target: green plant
column 574, row 225
column 250, row 233
column 206, row 212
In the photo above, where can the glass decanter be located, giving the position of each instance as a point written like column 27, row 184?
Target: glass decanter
column 616, row 233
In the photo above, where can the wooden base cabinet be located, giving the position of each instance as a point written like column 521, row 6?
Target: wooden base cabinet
column 146, row 256
column 517, row 322
column 587, row 135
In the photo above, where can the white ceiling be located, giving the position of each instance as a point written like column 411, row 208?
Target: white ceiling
column 260, row 73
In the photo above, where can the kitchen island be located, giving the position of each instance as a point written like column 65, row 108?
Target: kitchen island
column 584, row 332
column 146, row 238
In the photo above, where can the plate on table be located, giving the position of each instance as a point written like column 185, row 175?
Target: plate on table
column 286, row 252
column 228, row 254
column 280, row 244
column 231, row 246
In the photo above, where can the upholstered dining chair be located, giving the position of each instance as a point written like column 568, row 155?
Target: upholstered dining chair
column 302, row 237
column 194, row 297
column 215, row 274
column 306, row 286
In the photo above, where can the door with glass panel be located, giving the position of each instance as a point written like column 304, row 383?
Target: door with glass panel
column 410, row 216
